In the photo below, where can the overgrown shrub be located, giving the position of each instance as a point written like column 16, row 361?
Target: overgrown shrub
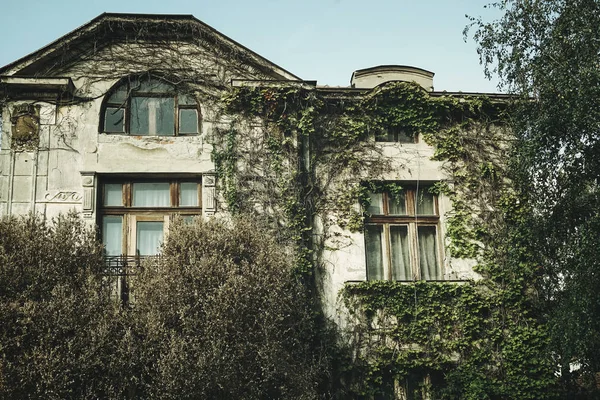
column 59, row 330
column 223, row 317
column 219, row 315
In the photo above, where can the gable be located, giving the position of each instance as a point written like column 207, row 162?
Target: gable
column 152, row 32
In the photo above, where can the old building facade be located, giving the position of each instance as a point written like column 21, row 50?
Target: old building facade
column 117, row 120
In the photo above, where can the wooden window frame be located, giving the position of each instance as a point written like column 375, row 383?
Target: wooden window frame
column 126, row 107
column 130, row 213
column 412, row 221
column 397, row 133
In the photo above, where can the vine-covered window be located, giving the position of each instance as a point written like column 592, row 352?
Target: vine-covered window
column 401, row 235
column 150, row 107
column 395, row 134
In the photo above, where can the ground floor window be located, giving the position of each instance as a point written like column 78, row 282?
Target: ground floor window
column 134, row 216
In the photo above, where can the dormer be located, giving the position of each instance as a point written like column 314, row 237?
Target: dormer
column 368, row 78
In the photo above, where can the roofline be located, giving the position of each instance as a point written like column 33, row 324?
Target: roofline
column 392, row 66
column 358, row 91
column 106, row 16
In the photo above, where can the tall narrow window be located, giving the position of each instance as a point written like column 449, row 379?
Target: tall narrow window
column 134, row 217
column 401, row 235
column 150, row 107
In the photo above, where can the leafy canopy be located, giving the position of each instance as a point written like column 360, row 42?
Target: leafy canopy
column 546, row 52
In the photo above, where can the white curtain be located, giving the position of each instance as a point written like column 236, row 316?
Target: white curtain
column 149, row 237
column 112, row 234
column 113, row 194
column 376, row 205
column 188, row 195
column 401, row 270
column 151, row 194
column 397, row 204
column 152, row 116
column 425, row 204
column 373, row 235
column 430, row 269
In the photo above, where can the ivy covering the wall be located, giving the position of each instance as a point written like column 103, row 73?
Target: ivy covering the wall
column 308, row 155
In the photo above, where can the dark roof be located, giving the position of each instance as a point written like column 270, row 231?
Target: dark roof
column 24, row 65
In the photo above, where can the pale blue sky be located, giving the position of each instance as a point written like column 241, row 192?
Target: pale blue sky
column 323, row 40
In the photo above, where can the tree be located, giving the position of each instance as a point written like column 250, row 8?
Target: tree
column 222, row 316
column 60, row 332
column 546, row 53
column 219, row 315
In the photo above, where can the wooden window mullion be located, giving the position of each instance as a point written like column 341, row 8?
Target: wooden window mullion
column 387, row 248
column 176, row 111
column 174, row 192
column 127, row 201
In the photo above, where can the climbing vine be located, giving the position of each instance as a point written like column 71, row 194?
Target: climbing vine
column 308, row 162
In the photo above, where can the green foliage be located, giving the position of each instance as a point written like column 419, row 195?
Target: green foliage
column 222, row 316
column 59, row 330
column 454, row 334
column 545, row 53
column 466, row 341
column 219, row 315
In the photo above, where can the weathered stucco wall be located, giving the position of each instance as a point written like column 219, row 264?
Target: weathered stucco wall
column 344, row 254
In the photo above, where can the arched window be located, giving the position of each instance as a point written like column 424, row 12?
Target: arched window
column 149, row 107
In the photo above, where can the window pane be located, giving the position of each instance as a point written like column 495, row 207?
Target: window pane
column 119, row 96
column 113, row 194
column 428, row 261
column 153, row 86
column 114, row 120
column 374, row 249
column 402, row 137
column 186, row 100
column 397, row 204
column 152, row 116
column 112, row 234
column 188, row 196
column 153, row 194
column 139, row 116
column 188, row 121
column 376, row 205
column 385, row 137
column 149, row 237
column 425, row 203
column 400, row 253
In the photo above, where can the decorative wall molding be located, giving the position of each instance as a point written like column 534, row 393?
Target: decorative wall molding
column 209, row 202
column 88, row 181
column 62, row 196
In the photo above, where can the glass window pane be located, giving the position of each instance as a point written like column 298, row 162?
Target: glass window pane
column 151, row 194
column 397, row 203
column 113, row 194
column 114, row 120
column 188, row 121
column 425, row 203
column 153, row 86
column 402, row 137
column 401, row 270
column 152, row 116
column 119, row 96
column 374, row 250
column 186, row 100
column 112, row 234
column 385, row 137
column 428, row 261
column 165, row 116
column 376, row 205
column 188, row 196
column 138, row 122
column 149, row 237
